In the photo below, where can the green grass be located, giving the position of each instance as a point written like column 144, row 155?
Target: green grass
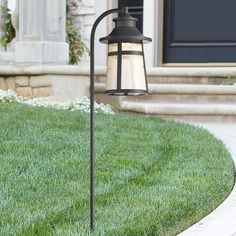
column 153, row 177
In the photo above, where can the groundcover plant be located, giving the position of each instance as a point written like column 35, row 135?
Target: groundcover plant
column 82, row 105
column 153, row 177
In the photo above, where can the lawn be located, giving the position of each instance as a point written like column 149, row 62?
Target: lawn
column 153, row 177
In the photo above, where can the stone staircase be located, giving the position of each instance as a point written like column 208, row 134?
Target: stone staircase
column 184, row 98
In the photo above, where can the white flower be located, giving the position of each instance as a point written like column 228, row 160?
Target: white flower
column 75, row 105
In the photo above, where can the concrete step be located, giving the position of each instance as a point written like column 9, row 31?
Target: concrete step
column 192, row 89
column 179, row 109
column 180, row 93
column 183, row 98
column 182, row 89
column 152, row 79
column 184, row 112
column 192, row 75
column 185, row 75
column 190, row 80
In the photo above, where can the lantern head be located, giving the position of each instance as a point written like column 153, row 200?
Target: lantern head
column 126, row 70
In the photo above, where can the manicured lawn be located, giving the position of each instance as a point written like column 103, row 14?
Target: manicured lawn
column 153, row 177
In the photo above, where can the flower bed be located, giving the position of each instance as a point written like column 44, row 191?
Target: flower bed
column 74, row 105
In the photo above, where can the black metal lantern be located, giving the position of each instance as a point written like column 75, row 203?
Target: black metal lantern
column 126, row 70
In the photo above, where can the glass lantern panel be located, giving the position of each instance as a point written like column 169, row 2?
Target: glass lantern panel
column 113, row 47
column 133, row 72
column 132, row 47
column 111, row 73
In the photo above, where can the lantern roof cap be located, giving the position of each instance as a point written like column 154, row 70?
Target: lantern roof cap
column 125, row 31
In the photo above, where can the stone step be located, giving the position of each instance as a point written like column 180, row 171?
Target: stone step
column 152, row 79
column 178, row 93
column 192, row 75
column 190, row 80
column 185, row 75
column 192, row 89
column 182, row 89
column 183, row 98
column 179, row 109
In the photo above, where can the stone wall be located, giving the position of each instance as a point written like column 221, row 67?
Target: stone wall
column 27, row 86
column 61, row 83
column 58, row 87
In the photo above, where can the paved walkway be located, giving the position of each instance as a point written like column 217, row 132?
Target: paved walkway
column 222, row 221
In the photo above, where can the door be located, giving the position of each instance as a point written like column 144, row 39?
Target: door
column 199, row 31
column 135, row 9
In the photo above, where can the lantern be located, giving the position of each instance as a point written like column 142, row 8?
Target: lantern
column 126, row 70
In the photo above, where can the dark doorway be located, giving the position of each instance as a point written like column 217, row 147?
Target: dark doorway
column 199, row 31
column 135, row 9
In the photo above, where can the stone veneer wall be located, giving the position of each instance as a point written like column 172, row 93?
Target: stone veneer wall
column 27, row 86
column 59, row 82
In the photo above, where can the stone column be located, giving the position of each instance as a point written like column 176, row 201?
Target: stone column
column 42, row 32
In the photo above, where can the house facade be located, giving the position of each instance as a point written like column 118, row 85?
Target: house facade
column 190, row 63
column 184, row 32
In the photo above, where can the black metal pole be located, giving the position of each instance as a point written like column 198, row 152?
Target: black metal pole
column 92, row 38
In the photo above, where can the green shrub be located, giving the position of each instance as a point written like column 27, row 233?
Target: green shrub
column 10, row 32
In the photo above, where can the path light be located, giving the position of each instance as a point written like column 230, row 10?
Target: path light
column 126, row 71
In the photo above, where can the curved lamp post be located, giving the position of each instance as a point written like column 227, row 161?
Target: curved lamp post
column 126, row 71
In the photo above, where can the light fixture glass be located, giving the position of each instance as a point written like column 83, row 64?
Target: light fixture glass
column 131, row 75
column 112, row 73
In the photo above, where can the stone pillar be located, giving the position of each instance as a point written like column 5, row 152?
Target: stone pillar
column 42, row 32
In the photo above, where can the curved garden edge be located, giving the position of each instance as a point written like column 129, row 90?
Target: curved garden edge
column 222, row 220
